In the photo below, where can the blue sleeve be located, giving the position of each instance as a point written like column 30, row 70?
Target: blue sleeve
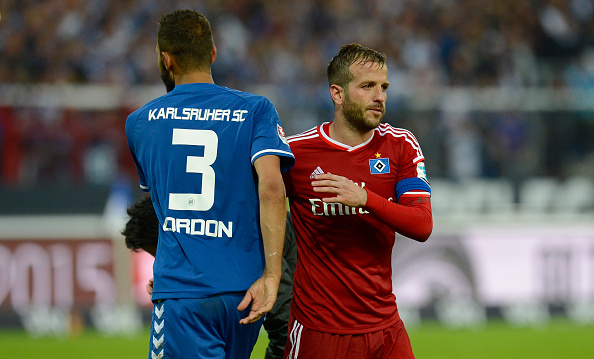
column 269, row 137
column 130, row 128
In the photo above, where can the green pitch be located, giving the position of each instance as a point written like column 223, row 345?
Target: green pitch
column 560, row 339
column 497, row 340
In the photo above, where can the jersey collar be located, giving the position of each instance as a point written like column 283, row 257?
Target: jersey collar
column 324, row 130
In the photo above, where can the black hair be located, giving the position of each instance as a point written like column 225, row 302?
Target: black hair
column 187, row 36
column 142, row 229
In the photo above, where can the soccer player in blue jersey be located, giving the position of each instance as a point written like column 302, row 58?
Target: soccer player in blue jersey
column 141, row 232
column 211, row 158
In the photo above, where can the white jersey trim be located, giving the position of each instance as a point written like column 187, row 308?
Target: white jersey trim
column 286, row 153
column 422, row 193
column 295, row 339
column 312, row 133
column 346, row 147
column 384, row 129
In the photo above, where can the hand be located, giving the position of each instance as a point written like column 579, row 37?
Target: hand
column 262, row 295
column 149, row 287
column 347, row 192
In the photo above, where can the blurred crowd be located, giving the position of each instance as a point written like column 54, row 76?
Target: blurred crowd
column 286, row 45
column 447, row 42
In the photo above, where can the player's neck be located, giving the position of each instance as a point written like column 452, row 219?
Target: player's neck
column 194, row 77
column 340, row 131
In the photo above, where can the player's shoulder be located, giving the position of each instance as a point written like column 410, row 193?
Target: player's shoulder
column 402, row 139
column 303, row 138
column 249, row 98
column 148, row 106
column 396, row 134
column 132, row 120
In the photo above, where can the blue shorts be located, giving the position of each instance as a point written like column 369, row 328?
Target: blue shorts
column 202, row 328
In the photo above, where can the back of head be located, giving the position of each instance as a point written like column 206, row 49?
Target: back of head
column 339, row 67
column 142, row 229
column 187, row 36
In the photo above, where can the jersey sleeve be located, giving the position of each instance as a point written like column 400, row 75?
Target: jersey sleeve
column 412, row 219
column 412, row 177
column 269, row 137
column 411, row 214
column 130, row 128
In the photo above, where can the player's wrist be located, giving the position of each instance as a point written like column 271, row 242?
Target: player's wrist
column 272, row 276
column 365, row 197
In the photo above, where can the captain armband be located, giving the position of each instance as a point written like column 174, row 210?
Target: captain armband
column 414, row 187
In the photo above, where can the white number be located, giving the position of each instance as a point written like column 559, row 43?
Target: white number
column 197, row 201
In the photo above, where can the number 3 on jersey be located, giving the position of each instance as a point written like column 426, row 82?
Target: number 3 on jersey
column 194, row 164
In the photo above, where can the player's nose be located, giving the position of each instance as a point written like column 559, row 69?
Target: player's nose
column 379, row 95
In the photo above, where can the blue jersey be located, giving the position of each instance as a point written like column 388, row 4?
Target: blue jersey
column 194, row 150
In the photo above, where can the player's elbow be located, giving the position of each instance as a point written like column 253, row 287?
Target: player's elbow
column 423, row 229
column 271, row 189
column 423, row 236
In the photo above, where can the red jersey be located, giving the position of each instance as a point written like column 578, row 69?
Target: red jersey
column 343, row 279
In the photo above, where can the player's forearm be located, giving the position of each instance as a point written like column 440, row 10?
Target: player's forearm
column 414, row 221
column 273, row 214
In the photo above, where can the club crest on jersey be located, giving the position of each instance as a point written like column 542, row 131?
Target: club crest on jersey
column 281, row 134
column 379, row 166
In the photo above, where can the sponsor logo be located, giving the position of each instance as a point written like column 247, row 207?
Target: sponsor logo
column 320, row 208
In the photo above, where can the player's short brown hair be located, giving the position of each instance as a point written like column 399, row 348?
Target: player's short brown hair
column 187, row 36
column 339, row 67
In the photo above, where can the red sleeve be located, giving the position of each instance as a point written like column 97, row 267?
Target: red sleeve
column 411, row 218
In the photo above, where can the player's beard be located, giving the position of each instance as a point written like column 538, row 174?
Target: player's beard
column 166, row 77
column 356, row 115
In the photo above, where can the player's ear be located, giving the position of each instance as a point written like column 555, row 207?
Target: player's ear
column 337, row 94
column 213, row 55
column 167, row 60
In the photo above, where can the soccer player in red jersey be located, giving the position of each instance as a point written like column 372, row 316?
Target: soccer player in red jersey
column 356, row 181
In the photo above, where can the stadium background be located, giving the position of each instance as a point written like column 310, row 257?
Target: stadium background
column 498, row 92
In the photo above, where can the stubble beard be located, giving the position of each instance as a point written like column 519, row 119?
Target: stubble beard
column 166, row 78
column 356, row 116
